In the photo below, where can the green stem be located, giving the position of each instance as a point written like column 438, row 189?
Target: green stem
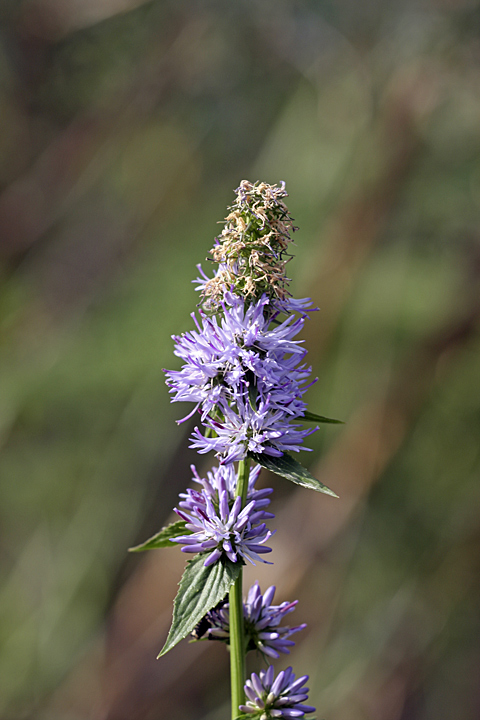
column 242, row 479
column 237, row 651
column 237, row 637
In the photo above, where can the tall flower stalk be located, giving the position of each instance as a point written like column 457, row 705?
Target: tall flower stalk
column 244, row 372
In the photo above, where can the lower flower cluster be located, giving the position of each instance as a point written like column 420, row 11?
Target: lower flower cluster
column 276, row 697
column 217, row 525
column 216, row 522
column 261, row 622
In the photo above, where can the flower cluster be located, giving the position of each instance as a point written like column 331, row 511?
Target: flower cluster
column 220, row 479
column 261, row 622
column 216, row 522
column 276, row 697
column 252, row 246
column 245, row 374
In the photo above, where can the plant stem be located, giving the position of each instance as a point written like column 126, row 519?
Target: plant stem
column 242, row 479
column 237, row 638
column 237, row 652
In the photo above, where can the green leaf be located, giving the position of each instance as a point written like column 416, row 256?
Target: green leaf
column 290, row 469
column 162, row 537
column 312, row 417
column 252, row 389
column 200, row 589
column 252, row 396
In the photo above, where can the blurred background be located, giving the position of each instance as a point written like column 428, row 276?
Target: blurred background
column 125, row 126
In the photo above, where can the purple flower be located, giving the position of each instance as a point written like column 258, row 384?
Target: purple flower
column 224, row 529
column 220, row 479
column 280, row 697
column 261, row 620
column 243, row 429
column 245, row 373
column 219, row 356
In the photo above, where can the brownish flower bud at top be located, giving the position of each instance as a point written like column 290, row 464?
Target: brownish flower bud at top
column 252, row 248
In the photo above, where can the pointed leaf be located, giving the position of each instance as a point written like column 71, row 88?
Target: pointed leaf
column 250, row 380
column 162, row 538
column 290, row 469
column 200, row 589
column 252, row 395
column 312, row 417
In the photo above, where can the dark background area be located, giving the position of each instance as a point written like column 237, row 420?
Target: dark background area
column 125, row 125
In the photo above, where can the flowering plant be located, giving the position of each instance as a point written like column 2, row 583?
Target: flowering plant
column 243, row 370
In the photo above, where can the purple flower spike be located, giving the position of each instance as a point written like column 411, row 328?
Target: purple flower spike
column 281, row 697
column 244, row 372
column 245, row 429
column 220, row 526
column 262, row 623
column 224, row 479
